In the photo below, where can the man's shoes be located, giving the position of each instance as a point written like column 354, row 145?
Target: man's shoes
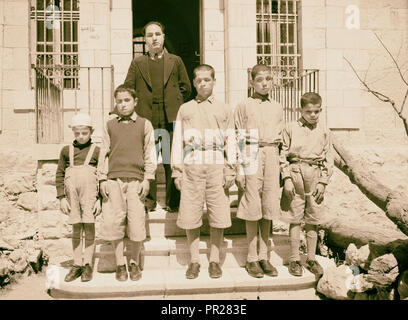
column 254, row 269
column 172, row 210
column 214, row 270
column 86, row 273
column 134, row 272
column 74, row 273
column 268, row 268
column 314, row 267
column 193, row 270
column 121, row 273
column 295, row 268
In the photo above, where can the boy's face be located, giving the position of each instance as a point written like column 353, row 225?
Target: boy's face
column 262, row 82
column 125, row 103
column 154, row 38
column 82, row 134
column 204, row 83
column 311, row 112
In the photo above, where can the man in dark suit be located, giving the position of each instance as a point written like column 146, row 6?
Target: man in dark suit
column 162, row 85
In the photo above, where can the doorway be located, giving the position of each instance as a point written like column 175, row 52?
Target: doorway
column 181, row 19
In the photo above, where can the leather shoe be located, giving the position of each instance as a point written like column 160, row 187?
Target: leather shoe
column 86, row 273
column 314, row 267
column 214, row 270
column 74, row 273
column 268, row 268
column 254, row 269
column 134, row 272
column 193, row 270
column 172, row 210
column 295, row 268
column 121, row 273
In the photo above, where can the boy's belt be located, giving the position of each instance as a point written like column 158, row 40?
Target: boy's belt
column 318, row 163
column 262, row 144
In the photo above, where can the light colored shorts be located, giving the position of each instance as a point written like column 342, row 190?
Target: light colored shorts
column 123, row 212
column 303, row 205
column 203, row 183
column 262, row 191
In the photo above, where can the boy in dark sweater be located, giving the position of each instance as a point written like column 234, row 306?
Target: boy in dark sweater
column 126, row 164
column 77, row 190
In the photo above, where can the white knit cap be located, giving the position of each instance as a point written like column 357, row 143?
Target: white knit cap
column 81, row 119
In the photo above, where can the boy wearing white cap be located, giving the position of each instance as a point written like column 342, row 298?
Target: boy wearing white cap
column 77, row 190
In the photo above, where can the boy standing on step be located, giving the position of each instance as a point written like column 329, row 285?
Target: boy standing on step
column 126, row 164
column 77, row 190
column 204, row 129
column 259, row 122
column 306, row 166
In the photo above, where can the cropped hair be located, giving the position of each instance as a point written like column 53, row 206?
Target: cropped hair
column 157, row 23
column 259, row 68
column 310, row 97
column 204, row 67
column 124, row 88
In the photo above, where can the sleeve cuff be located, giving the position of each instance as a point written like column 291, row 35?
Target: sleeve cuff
column 149, row 176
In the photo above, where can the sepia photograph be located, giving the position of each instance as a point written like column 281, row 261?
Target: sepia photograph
column 207, row 155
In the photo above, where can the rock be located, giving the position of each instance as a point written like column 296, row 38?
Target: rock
column 4, row 267
column 5, row 245
column 359, row 283
column 335, row 283
column 26, row 235
column 383, row 271
column 17, row 255
column 20, row 266
column 382, row 294
column 403, row 285
column 47, row 198
column 35, row 259
column 28, row 201
column 46, row 175
column 361, row 296
column 358, row 257
column 15, row 184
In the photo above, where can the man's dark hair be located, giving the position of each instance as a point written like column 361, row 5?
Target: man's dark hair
column 258, row 68
column 310, row 97
column 205, row 67
column 124, row 88
column 152, row 22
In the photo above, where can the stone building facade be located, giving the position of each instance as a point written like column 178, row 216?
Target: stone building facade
column 223, row 33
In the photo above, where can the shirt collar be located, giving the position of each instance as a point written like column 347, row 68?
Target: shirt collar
column 132, row 117
column 159, row 55
column 210, row 99
column 260, row 97
column 303, row 123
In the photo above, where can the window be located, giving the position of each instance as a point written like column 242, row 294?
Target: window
column 54, row 34
column 277, row 35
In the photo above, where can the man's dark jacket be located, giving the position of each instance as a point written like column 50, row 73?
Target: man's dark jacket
column 177, row 88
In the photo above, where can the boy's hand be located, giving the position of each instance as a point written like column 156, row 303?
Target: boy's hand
column 64, row 206
column 103, row 189
column 228, row 182
column 177, row 183
column 289, row 188
column 143, row 189
column 240, row 182
column 97, row 208
column 319, row 193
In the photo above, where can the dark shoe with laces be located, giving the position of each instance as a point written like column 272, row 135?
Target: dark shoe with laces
column 254, row 269
column 193, row 270
column 268, row 268
column 74, row 273
column 214, row 270
column 295, row 268
column 314, row 267
column 171, row 209
column 86, row 273
column 121, row 273
column 134, row 272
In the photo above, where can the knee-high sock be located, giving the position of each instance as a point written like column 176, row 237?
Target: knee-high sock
column 193, row 239
column 77, row 243
column 89, row 229
column 311, row 240
column 216, row 236
column 136, row 247
column 118, row 247
column 252, row 239
column 264, row 228
column 294, row 232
